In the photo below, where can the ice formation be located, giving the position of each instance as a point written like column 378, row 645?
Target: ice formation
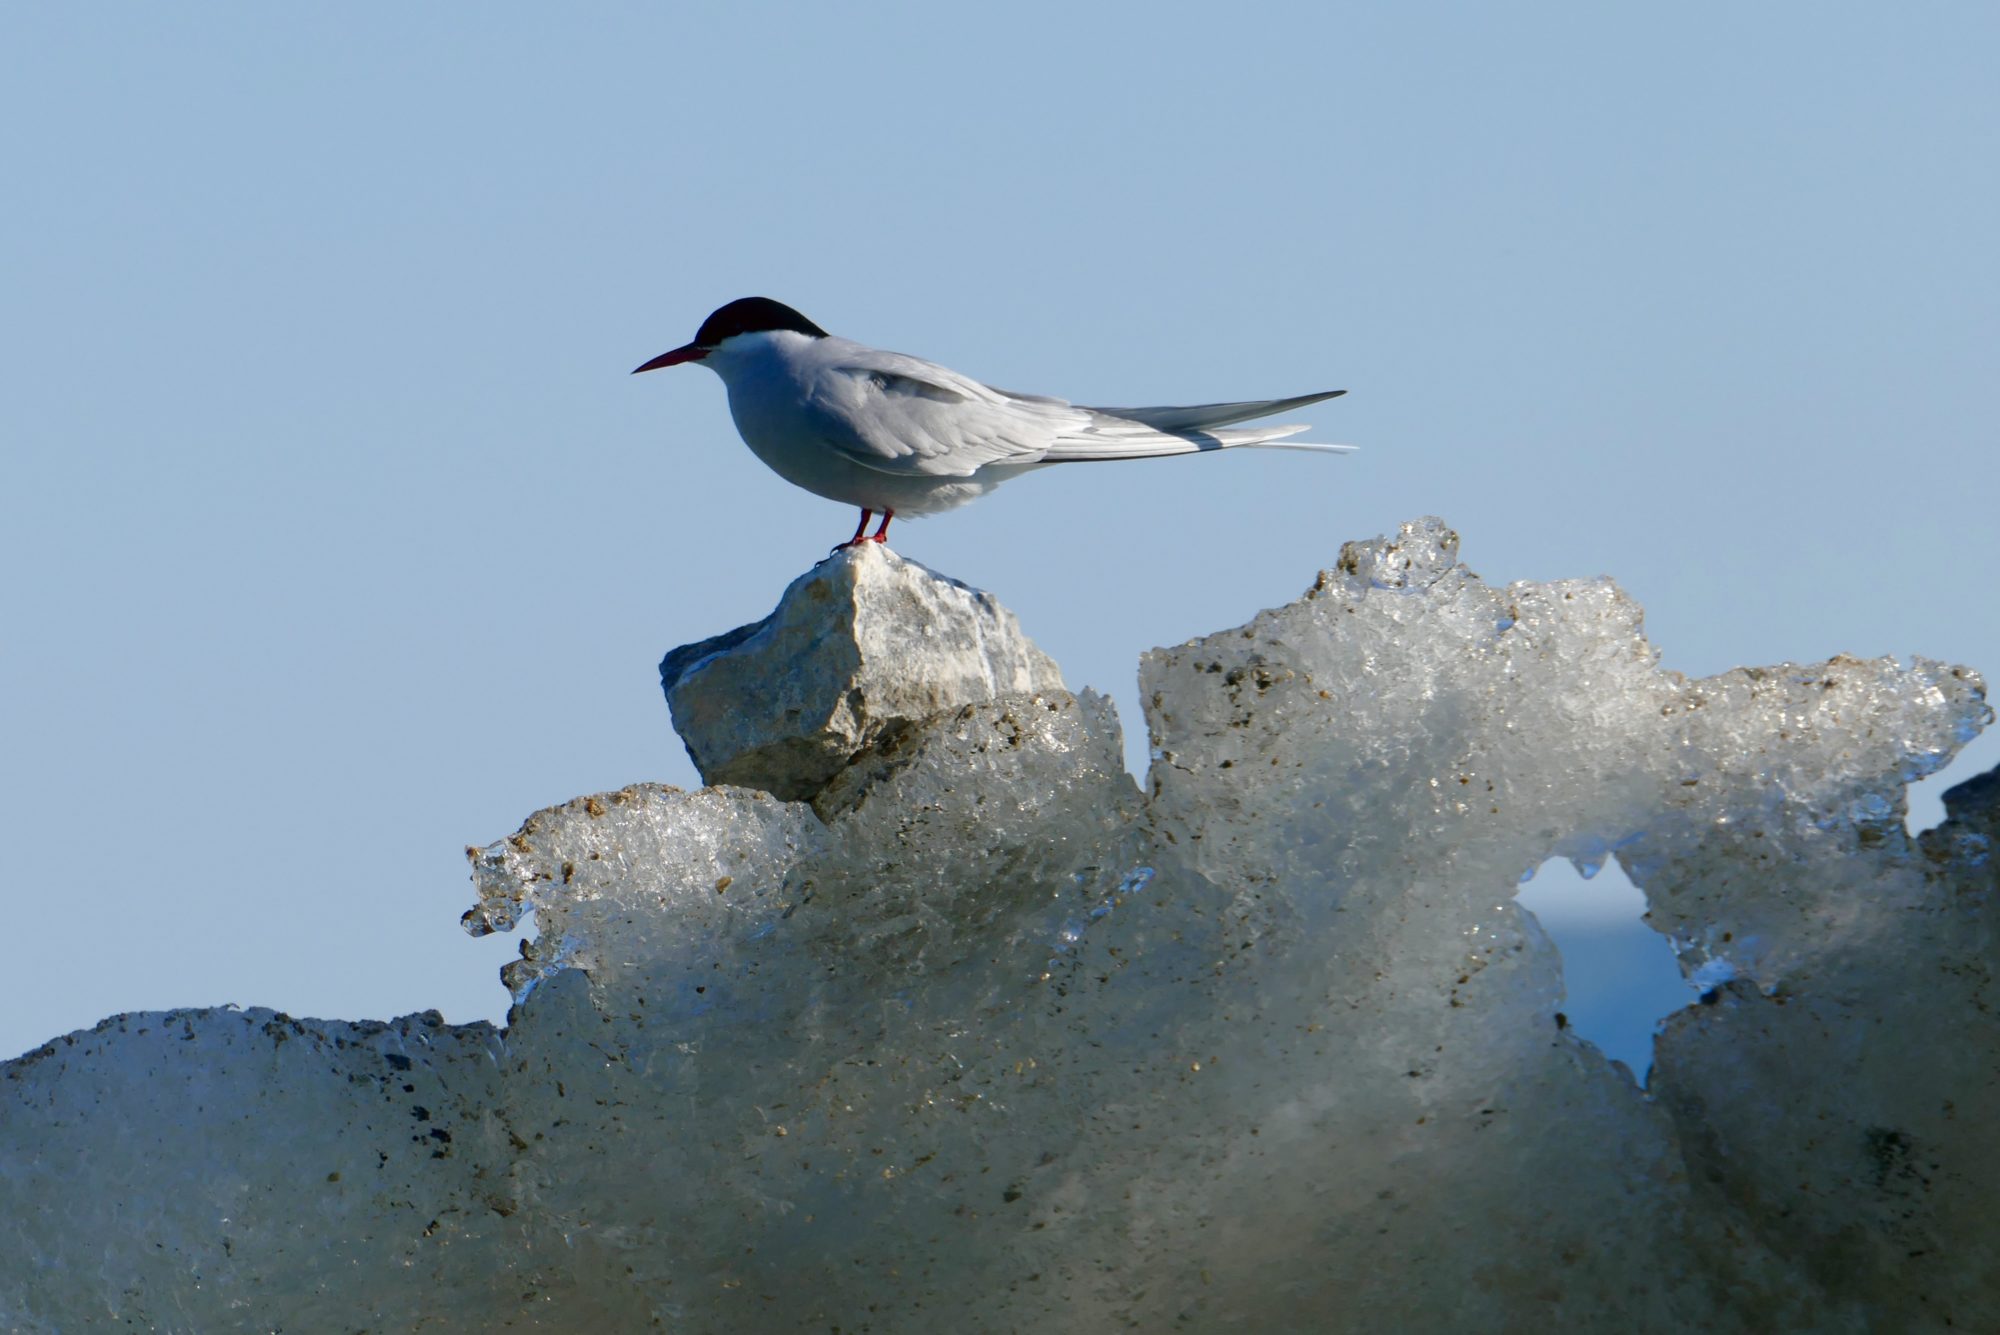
column 985, row 1038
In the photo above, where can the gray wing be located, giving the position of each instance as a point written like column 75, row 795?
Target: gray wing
column 901, row 414
column 1203, row 416
column 1144, row 433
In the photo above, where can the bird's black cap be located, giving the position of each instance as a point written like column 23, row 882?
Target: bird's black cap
column 752, row 315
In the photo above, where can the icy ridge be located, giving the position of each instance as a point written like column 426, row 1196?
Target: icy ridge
column 984, row 1035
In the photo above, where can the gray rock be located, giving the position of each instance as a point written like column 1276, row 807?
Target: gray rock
column 864, row 645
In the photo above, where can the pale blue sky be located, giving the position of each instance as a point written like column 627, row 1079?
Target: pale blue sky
column 338, row 536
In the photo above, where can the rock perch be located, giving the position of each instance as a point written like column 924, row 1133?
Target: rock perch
column 861, row 647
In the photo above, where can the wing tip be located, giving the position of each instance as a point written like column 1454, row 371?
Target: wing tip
column 1310, row 446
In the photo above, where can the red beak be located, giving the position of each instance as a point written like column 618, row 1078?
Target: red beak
column 690, row 353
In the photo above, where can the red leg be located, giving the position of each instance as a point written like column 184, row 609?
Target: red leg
column 859, row 529
column 881, row 534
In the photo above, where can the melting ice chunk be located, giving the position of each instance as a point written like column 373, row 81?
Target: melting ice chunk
column 1266, row 1047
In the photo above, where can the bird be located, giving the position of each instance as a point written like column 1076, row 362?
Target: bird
column 895, row 435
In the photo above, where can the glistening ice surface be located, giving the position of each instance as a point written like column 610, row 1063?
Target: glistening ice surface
column 987, row 1039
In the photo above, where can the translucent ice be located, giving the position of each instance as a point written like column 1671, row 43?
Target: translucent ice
column 986, row 1038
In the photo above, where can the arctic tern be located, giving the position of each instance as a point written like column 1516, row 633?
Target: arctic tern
column 894, row 434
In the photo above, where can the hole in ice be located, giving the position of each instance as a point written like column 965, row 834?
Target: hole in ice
column 1927, row 794
column 1620, row 978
